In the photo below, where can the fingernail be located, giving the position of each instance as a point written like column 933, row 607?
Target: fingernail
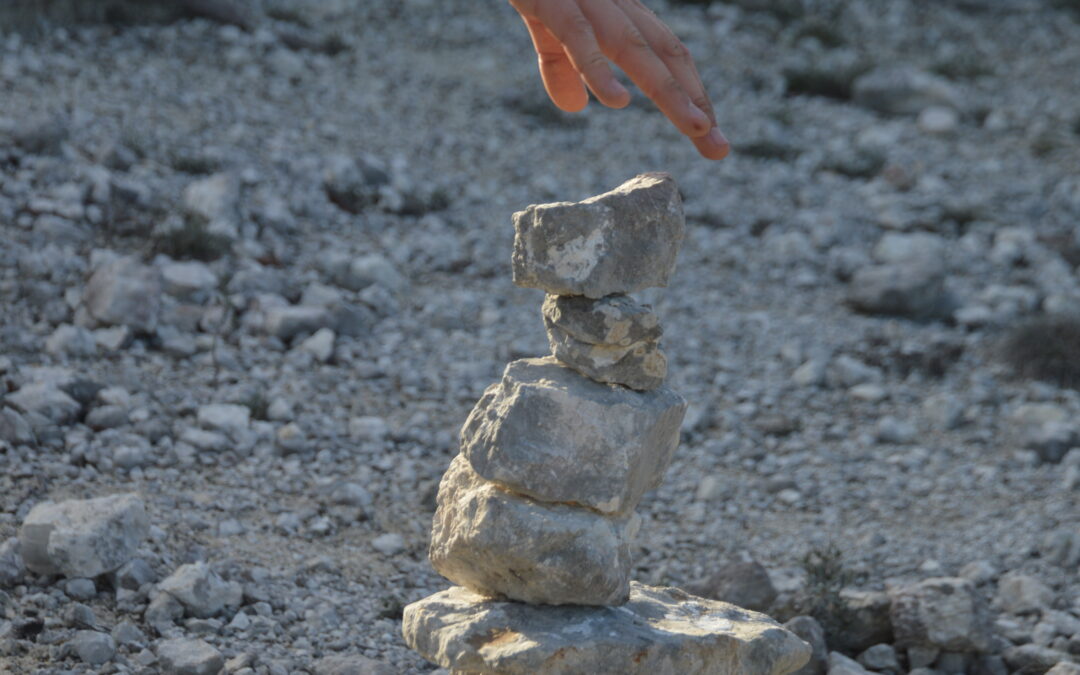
column 716, row 137
column 617, row 90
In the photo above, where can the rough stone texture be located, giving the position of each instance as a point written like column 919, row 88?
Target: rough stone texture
column 618, row 242
column 124, row 292
column 200, row 590
column 93, row 647
column 615, row 320
column 640, row 366
column 288, row 322
column 549, row 433
column 660, row 631
column 45, row 399
column 1065, row 668
column 501, row 544
column 11, row 564
column 83, row 538
column 915, row 290
column 1018, row 593
column 807, row 629
column 870, row 621
column 944, row 612
column 842, row 665
column 1032, row 659
column 183, row 656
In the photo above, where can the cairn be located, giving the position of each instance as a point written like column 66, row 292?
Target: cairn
column 535, row 516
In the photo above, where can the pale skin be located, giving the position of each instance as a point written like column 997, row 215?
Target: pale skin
column 577, row 40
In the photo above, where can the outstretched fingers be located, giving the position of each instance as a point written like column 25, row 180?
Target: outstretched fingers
column 561, row 80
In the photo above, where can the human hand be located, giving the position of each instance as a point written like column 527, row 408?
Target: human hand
column 574, row 39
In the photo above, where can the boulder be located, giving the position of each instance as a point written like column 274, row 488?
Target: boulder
column 501, row 544
column 83, row 537
column 549, row 433
column 945, row 613
column 618, row 242
column 660, row 631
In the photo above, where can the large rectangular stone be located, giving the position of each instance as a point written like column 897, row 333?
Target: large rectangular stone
column 501, row 544
column 552, row 434
column 618, row 242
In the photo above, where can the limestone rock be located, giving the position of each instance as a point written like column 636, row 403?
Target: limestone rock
column 614, row 320
column 124, row 292
column 640, row 366
column 547, row 432
column 842, row 665
column 913, row 290
column 183, row 656
column 618, row 242
column 93, row 647
column 1018, row 593
column 47, row 400
column 943, row 612
column 807, row 629
column 742, row 583
column 501, row 544
column 83, row 538
column 660, row 631
column 201, row 591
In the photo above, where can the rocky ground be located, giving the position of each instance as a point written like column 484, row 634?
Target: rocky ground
column 259, row 277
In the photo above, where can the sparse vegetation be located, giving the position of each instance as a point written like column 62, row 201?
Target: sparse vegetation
column 826, row 576
column 192, row 241
column 1046, row 348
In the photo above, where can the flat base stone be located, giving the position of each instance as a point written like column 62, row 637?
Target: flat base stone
column 660, row 631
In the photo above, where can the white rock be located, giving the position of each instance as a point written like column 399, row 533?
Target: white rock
column 938, row 120
column 388, row 544
column 71, row 341
column 200, row 590
column 45, row 399
column 320, row 345
column 288, row 322
column 944, row 613
column 124, row 292
column 188, row 280
column 213, row 198
column 547, row 432
column 660, row 631
column 498, row 543
column 225, row 417
column 83, row 538
column 368, row 428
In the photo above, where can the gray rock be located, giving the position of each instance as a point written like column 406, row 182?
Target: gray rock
column 80, row 589
column 881, row 658
column 1065, row 668
column 869, row 623
column 126, row 633
column 742, row 583
column 184, row 656
column 124, row 292
column 46, row 400
column 618, row 242
column 133, row 574
column 1018, row 593
column 615, row 320
column 807, row 629
column 356, row 274
column 83, row 538
column 842, row 665
column 214, row 198
column 892, row 430
column 163, row 611
column 945, row 612
column 640, row 366
column 1032, row 659
column 900, row 90
column 549, row 433
column 11, row 563
column 351, row 665
column 93, row 647
column 201, row 591
column 68, row 340
column 660, row 631
column 353, row 184
column 189, row 280
column 288, row 322
column 228, row 418
column 915, row 290
column 14, row 428
column 501, row 544
column 320, row 345
column 1052, row 440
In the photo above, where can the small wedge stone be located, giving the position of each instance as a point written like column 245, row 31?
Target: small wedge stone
column 549, row 433
column 660, row 631
column 641, row 366
column 615, row 320
column 618, row 242
column 505, row 545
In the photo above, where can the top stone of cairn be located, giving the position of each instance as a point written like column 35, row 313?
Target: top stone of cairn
column 618, row 242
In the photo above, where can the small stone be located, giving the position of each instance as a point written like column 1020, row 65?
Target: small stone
column 11, row 563
column 979, row 571
column 615, row 320
column 501, row 544
column 213, row 198
column 83, row 538
column 388, row 544
column 320, row 345
column 640, row 366
column 367, row 270
column 842, row 665
column 353, row 664
column 93, row 647
column 1033, row 659
column 892, row 430
column 660, row 630
column 543, row 417
column 938, row 120
column 190, row 280
column 922, row 657
column 286, row 323
column 71, row 340
column 228, row 418
column 943, row 411
column 124, row 292
column 618, row 242
column 869, row 392
column 46, row 400
column 291, row 438
column 128, row 634
column 1052, row 440
column 80, row 589
column 163, row 611
column 901, row 90
column 184, row 656
column 915, row 290
column 1065, row 668
column 201, row 591
column 1019, row 593
column 742, row 583
column 810, row 631
column 14, row 428
column 881, row 658
column 368, row 428
column 870, row 623
column 811, row 373
column 133, row 574
column 944, row 612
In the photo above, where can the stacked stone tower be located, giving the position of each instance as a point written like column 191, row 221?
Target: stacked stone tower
column 535, row 516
